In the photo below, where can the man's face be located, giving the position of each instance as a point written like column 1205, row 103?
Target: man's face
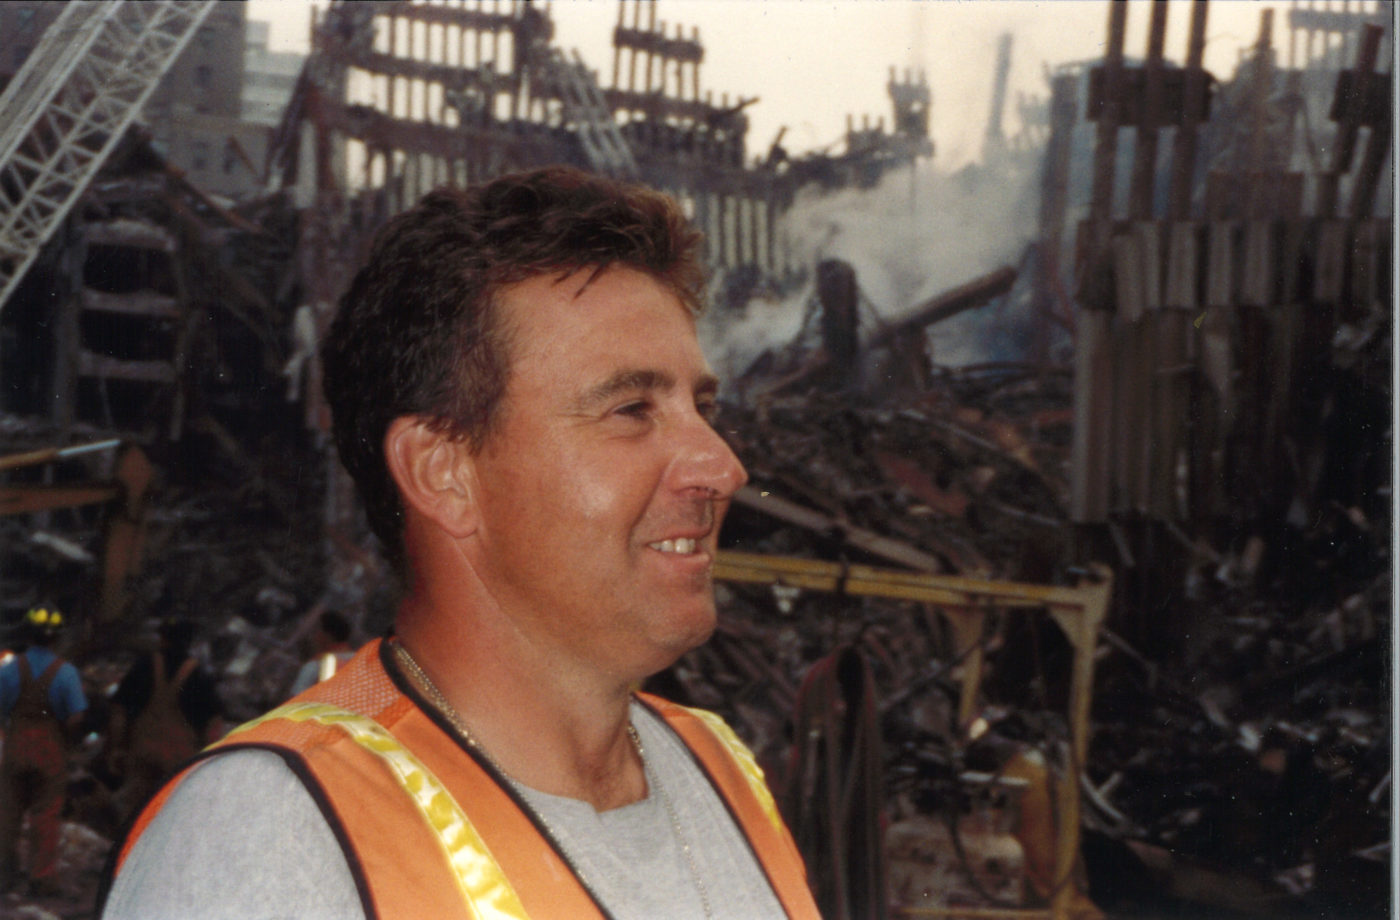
column 601, row 491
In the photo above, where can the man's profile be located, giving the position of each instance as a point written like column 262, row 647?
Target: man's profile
column 518, row 391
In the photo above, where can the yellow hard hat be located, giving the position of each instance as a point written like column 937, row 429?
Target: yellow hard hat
column 48, row 619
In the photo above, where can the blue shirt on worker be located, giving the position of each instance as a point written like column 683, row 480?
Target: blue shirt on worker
column 65, row 693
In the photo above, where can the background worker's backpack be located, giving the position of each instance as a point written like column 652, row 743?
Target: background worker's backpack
column 161, row 735
column 33, row 736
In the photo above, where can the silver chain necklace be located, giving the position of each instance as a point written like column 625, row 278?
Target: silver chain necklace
column 681, row 838
column 420, row 679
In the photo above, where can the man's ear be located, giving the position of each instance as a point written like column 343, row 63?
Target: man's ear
column 433, row 472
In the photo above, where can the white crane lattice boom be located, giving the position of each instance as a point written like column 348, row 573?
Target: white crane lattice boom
column 66, row 109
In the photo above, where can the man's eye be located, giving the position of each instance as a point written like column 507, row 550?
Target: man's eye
column 639, row 409
column 709, row 411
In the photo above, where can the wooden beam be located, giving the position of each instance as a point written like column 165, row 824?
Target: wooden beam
column 949, row 303
column 91, row 364
column 137, row 303
column 867, row 540
column 26, row 499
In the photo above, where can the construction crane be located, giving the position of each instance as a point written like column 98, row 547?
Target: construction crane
column 69, row 105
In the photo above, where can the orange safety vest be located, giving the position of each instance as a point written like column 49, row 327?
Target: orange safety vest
column 429, row 830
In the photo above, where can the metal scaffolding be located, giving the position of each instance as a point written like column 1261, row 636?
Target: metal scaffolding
column 69, row 105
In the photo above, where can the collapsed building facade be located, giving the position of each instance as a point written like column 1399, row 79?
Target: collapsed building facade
column 400, row 98
column 1209, row 312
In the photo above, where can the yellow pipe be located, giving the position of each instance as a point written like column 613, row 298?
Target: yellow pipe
column 1078, row 611
column 50, row 454
column 977, row 913
column 877, row 582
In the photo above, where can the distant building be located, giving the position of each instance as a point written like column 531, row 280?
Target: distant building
column 195, row 115
column 268, row 77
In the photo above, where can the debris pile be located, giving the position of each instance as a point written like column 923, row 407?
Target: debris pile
column 972, row 472
column 1266, row 755
column 1262, row 793
column 1240, row 756
column 1277, row 780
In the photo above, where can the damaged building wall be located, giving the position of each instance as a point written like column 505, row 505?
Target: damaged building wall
column 426, row 94
column 1265, row 795
column 399, row 97
column 416, row 95
column 1198, row 267
column 1214, row 295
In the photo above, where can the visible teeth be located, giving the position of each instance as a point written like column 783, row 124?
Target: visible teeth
column 685, row 546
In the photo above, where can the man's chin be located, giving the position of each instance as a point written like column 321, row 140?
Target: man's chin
column 693, row 632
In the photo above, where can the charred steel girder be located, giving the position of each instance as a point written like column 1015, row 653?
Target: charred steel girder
column 684, row 50
column 1345, row 21
column 1375, row 104
column 481, row 20
column 1131, row 97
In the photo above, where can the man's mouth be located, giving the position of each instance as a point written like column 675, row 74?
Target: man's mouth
column 683, row 546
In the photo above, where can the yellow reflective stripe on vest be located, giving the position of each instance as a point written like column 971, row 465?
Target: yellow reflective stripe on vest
column 747, row 764
column 483, row 885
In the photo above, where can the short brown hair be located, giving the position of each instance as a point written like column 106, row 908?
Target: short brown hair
column 418, row 330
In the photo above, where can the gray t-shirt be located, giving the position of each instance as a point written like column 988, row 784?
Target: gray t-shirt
column 272, row 855
column 633, row 858
column 240, row 838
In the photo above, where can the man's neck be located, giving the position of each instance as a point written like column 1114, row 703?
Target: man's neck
column 546, row 724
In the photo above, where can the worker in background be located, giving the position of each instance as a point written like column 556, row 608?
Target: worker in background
column 331, row 642
column 42, row 704
column 517, row 388
column 164, row 710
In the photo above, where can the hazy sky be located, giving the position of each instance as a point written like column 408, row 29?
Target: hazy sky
column 813, row 62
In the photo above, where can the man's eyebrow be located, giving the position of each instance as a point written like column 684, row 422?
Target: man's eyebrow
column 622, row 382
column 639, row 379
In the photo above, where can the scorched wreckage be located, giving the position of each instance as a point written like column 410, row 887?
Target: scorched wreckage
column 1094, row 624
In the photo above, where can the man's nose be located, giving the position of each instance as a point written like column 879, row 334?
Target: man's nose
column 706, row 463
